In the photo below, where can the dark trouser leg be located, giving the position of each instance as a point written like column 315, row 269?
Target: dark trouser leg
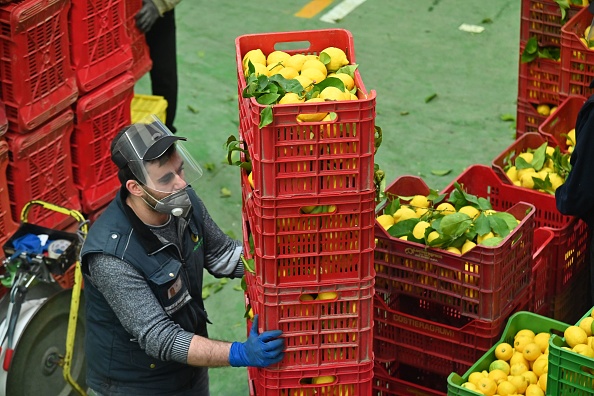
column 591, row 267
column 162, row 45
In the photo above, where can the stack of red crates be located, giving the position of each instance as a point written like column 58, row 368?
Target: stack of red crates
column 540, row 81
column 437, row 312
column 38, row 87
column 314, row 277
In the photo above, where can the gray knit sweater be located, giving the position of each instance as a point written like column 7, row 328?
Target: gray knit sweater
column 135, row 305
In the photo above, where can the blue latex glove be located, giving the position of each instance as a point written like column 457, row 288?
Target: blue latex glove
column 260, row 350
column 147, row 16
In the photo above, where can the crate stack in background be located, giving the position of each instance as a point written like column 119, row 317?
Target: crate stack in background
column 437, row 311
column 68, row 70
column 563, row 86
column 38, row 88
column 308, row 226
column 540, row 76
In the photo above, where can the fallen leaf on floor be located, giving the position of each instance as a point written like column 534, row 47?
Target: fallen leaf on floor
column 193, row 109
column 209, row 166
column 403, row 113
column 225, row 192
column 430, row 97
column 507, row 117
column 442, row 172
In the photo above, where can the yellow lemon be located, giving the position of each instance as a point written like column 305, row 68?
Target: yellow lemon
column 518, row 369
column 274, row 68
column 521, row 341
column 575, row 335
column 550, row 150
column 291, row 97
column 471, row 211
column 586, row 325
column 404, row 213
column 333, row 94
column 531, row 352
column 347, row 80
column 500, row 365
column 527, row 179
column 337, row 56
column 312, row 117
column 251, row 179
column 288, row 72
column 526, row 156
column 530, row 377
column 504, row 351
column 419, row 201
column 543, row 110
column 498, row 376
column 324, row 379
column 512, row 173
column 520, row 382
column 506, row 388
column 256, row 56
column 276, row 57
column 295, row 61
column 542, row 382
column 467, row 246
column 419, row 229
column 570, row 140
column 305, row 82
column 313, row 74
column 584, row 349
column 385, row 221
column 454, row 250
column 486, row 386
column 481, row 238
column 259, row 69
column 518, row 357
column 469, row 386
column 534, row 390
column 326, row 296
column 433, row 235
column 525, row 332
column 314, row 64
column 542, row 340
column 475, row 376
column 445, row 208
column 540, row 365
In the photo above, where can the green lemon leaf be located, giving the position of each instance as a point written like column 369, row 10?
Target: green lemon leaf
column 502, row 223
column 484, row 204
column 265, row 117
column 442, row 172
column 455, row 224
column 539, row 157
column 330, row 82
column 494, row 241
column 521, row 163
column 325, row 58
column 392, row 207
column 348, row 69
column 402, row 228
column 482, row 225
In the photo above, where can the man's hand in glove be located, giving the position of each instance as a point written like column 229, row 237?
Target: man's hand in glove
column 147, row 16
column 260, row 350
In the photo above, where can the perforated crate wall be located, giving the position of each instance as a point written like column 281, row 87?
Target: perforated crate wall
column 40, row 167
column 7, row 224
column 101, row 48
column 142, row 62
column 37, row 80
column 99, row 117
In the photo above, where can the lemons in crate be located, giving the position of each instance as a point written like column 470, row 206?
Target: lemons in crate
column 337, row 57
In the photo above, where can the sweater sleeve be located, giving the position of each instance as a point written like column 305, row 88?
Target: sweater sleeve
column 137, row 309
column 575, row 197
column 222, row 253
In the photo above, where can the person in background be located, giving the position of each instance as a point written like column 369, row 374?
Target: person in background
column 156, row 19
column 143, row 261
column 575, row 197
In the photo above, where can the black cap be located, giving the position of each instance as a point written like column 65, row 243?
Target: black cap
column 144, row 142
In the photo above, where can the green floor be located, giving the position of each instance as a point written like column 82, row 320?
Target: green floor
column 407, row 51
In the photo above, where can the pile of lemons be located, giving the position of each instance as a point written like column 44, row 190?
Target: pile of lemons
column 308, row 70
column 520, row 369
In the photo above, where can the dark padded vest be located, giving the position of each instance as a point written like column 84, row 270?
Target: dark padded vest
column 176, row 280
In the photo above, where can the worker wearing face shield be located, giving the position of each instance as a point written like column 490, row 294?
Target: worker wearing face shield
column 143, row 261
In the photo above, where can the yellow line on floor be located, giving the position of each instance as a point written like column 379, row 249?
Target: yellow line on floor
column 313, row 8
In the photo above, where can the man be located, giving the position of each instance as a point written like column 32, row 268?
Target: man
column 142, row 263
column 156, row 19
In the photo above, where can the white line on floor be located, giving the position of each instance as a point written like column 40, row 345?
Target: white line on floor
column 341, row 10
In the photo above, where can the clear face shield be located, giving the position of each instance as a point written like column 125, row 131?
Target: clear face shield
column 161, row 162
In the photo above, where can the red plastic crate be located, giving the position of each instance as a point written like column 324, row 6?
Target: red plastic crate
column 542, row 266
column 37, row 80
column 539, row 81
column 349, row 380
column 542, row 19
column 100, row 115
column 577, row 61
column 7, row 225
column 291, row 158
column 396, row 379
column 563, row 120
column 318, row 333
column 433, row 337
column 528, row 119
column 101, row 48
column 40, row 168
column 3, row 119
column 142, row 62
column 292, row 248
column 479, row 284
column 523, row 143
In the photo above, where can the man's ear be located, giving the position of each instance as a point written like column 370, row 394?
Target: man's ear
column 134, row 188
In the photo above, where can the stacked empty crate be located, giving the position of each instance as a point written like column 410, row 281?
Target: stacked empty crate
column 540, row 80
column 437, row 311
column 563, row 84
column 314, row 277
